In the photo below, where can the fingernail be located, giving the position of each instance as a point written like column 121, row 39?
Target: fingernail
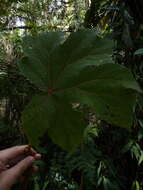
column 31, row 159
column 37, row 156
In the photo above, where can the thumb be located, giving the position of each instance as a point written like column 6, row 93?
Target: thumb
column 11, row 175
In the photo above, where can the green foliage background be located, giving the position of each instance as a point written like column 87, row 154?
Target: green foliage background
column 110, row 157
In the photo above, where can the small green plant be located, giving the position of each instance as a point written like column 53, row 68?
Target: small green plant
column 70, row 70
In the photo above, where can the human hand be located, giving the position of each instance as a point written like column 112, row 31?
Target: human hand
column 20, row 159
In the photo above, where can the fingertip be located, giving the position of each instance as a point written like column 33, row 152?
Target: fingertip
column 37, row 156
column 30, row 159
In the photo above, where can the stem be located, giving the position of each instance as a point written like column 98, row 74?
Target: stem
column 81, row 184
column 82, row 179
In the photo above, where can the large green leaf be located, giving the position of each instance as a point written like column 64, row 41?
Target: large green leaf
column 78, row 69
column 79, row 46
column 109, row 89
column 92, row 71
column 36, row 63
column 64, row 125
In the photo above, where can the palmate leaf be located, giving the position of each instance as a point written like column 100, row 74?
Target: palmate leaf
column 78, row 69
column 58, row 117
column 36, row 63
column 108, row 88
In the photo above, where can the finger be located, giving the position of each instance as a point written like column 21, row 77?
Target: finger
column 34, row 151
column 10, row 153
column 2, row 167
column 15, row 160
column 12, row 174
column 14, row 152
column 19, row 158
column 29, row 151
column 32, row 170
column 37, row 156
